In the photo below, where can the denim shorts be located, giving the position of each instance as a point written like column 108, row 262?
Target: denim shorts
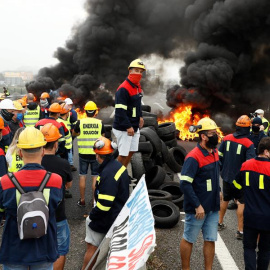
column 92, row 237
column 208, row 225
column 63, row 237
column 84, row 164
column 42, row 266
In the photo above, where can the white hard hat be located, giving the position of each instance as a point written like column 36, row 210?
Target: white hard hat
column 259, row 111
column 68, row 101
column 7, row 104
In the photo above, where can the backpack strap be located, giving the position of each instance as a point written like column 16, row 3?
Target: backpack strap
column 44, row 181
column 15, row 182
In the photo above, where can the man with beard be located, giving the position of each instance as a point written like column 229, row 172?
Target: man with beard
column 33, row 113
column 199, row 182
column 235, row 149
column 128, row 113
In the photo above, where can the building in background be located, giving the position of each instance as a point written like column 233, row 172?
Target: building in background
column 12, row 78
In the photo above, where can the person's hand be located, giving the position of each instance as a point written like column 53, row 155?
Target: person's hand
column 199, row 212
column 262, row 127
column 141, row 122
column 130, row 131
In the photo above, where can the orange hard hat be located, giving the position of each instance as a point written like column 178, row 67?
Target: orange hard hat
column 50, row 132
column 243, row 121
column 104, row 146
column 55, row 107
column 2, row 126
column 45, row 95
column 23, row 102
column 65, row 108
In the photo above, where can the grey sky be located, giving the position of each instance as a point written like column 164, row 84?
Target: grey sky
column 31, row 30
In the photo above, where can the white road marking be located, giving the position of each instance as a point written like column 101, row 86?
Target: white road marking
column 224, row 257
column 159, row 105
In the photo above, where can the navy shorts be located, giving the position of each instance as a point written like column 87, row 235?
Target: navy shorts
column 84, row 164
column 228, row 193
column 63, row 237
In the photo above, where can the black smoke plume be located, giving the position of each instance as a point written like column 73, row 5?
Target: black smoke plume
column 40, row 85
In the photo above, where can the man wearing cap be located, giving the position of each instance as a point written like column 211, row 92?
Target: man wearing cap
column 3, row 162
column 199, row 181
column 128, row 113
column 32, row 253
column 60, row 166
column 257, row 132
column 6, row 113
column 33, row 113
column 44, row 105
column 54, row 113
column 111, row 194
column 88, row 130
column 17, row 120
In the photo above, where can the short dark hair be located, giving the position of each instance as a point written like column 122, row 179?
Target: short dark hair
column 90, row 114
column 49, row 145
column 31, row 150
column 104, row 156
column 264, row 145
column 53, row 113
column 200, row 135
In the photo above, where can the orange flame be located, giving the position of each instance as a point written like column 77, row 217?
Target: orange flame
column 81, row 113
column 183, row 119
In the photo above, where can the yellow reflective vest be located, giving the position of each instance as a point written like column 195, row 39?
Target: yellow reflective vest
column 16, row 164
column 264, row 120
column 68, row 137
column 31, row 117
column 90, row 131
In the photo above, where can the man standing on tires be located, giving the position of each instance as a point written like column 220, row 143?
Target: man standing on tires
column 128, row 113
column 199, row 182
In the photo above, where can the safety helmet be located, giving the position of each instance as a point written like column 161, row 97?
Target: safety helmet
column 17, row 105
column 23, row 102
column 55, row 108
column 104, row 146
column 31, row 137
column 90, row 106
column 2, row 125
column 203, row 124
column 50, row 132
column 7, row 104
column 137, row 63
column 260, row 111
column 243, row 121
column 45, row 95
column 64, row 108
column 68, row 101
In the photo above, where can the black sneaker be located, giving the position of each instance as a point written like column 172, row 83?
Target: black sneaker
column 221, row 226
column 68, row 195
column 239, row 235
column 80, row 203
column 232, row 205
column 73, row 169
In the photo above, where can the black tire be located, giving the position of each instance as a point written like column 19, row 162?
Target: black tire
column 167, row 137
column 182, row 150
column 150, row 121
column 158, row 159
column 171, row 175
column 146, row 108
column 165, row 213
column 174, row 189
column 155, row 177
column 176, row 159
column 177, row 133
column 142, row 138
column 153, row 138
column 145, row 148
column 137, row 165
column 148, row 163
column 156, row 194
column 108, row 134
column 164, row 152
column 149, row 114
column 166, row 128
column 167, row 178
column 171, row 143
column 107, row 127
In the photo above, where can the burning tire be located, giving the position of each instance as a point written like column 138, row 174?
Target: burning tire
column 176, row 159
column 137, row 165
column 156, row 194
column 165, row 213
column 146, row 108
column 155, row 177
column 166, row 128
column 174, row 189
column 171, row 143
column 152, row 137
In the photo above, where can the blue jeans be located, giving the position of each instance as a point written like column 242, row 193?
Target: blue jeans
column 42, row 266
column 84, row 164
column 70, row 157
column 63, row 237
column 208, row 225
column 250, row 244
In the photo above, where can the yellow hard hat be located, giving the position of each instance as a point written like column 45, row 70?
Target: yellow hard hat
column 203, row 124
column 17, row 105
column 30, row 138
column 137, row 63
column 90, row 106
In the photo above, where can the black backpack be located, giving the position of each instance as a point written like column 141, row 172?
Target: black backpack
column 32, row 210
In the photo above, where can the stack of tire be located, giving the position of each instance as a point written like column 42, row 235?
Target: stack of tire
column 159, row 158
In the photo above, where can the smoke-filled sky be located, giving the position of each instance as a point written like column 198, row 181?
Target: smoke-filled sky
column 31, row 30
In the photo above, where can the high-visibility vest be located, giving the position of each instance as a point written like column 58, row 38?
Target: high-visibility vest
column 68, row 137
column 68, row 122
column 31, row 117
column 264, row 120
column 16, row 164
column 90, row 131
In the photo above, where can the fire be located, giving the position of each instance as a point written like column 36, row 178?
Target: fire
column 183, row 118
column 81, row 113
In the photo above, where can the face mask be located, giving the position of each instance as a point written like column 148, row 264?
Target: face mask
column 135, row 78
column 6, row 115
column 212, row 141
column 19, row 116
column 44, row 103
column 255, row 128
